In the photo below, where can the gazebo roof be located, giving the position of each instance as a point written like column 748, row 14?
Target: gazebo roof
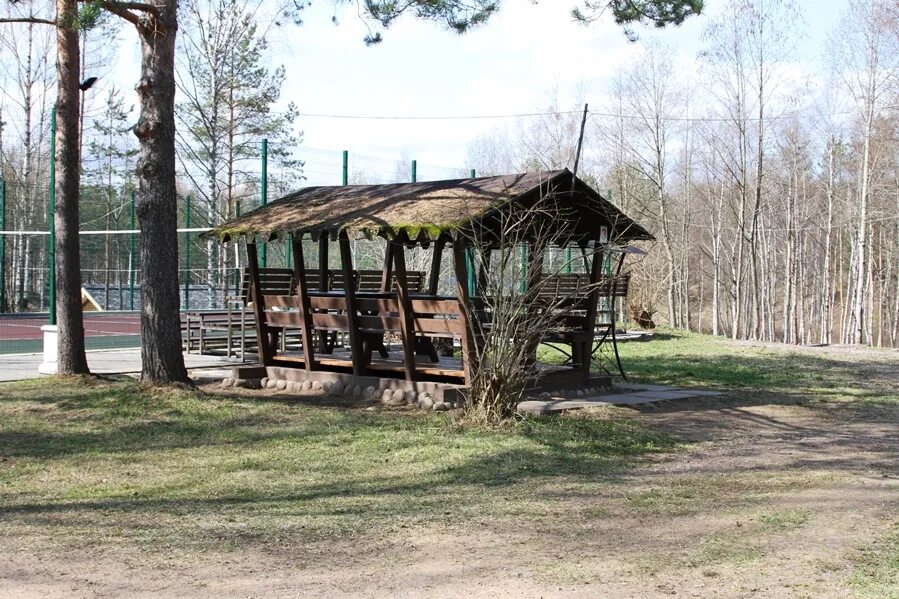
column 426, row 210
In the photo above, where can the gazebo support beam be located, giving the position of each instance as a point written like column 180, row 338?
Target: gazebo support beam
column 407, row 327
column 299, row 271
column 323, row 284
column 262, row 331
column 349, row 288
column 387, row 270
column 586, row 350
column 468, row 342
column 434, row 280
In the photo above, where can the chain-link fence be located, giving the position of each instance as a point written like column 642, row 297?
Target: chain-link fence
column 209, row 273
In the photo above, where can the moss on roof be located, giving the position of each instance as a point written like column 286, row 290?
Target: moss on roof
column 424, row 209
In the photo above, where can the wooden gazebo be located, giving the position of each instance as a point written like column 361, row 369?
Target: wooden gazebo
column 325, row 304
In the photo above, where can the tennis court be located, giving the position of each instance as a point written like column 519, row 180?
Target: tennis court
column 21, row 333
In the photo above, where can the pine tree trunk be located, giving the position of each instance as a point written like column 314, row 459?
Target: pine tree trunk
column 71, row 358
column 156, row 208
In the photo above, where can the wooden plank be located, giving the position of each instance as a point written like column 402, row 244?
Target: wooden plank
column 331, row 322
column 402, row 291
column 431, row 326
column 434, row 306
column 299, row 267
column 280, row 301
column 265, row 351
column 346, row 263
column 327, row 302
column 380, row 322
column 292, row 319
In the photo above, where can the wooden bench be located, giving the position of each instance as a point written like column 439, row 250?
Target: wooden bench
column 204, row 330
column 376, row 314
column 568, row 295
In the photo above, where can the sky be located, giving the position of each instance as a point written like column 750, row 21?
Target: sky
column 514, row 64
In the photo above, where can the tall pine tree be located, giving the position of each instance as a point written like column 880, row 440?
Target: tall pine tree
column 229, row 95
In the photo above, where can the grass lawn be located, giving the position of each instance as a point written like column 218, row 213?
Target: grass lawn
column 789, row 483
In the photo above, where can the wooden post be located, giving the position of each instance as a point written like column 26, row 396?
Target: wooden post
column 406, row 324
column 533, row 272
column 468, row 336
column 434, row 280
column 299, row 270
column 265, row 351
column 323, row 284
column 586, row 350
column 349, row 288
column 323, row 261
column 387, row 272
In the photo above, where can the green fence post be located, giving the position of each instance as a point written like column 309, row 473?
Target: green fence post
column 187, row 254
column 263, row 255
column 345, row 180
column 2, row 246
column 414, row 171
column 469, row 258
column 131, row 258
column 51, row 218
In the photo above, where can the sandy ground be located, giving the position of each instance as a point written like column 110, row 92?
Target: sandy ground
column 826, row 479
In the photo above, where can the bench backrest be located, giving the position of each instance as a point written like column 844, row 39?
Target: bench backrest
column 280, row 281
column 272, row 281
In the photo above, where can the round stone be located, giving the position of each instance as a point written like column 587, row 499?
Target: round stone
column 293, row 387
column 411, row 397
column 271, row 384
column 394, row 397
column 327, row 386
column 357, row 391
column 425, row 403
column 386, row 395
column 579, row 393
column 264, row 382
column 281, row 385
column 545, row 395
column 307, row 385
column 227, row 382
column 370, row 392
column 317, row 385
column 440, row 407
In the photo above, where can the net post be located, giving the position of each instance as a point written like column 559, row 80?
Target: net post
column 469, row 259
column 263, row 254
column 51, row 219
column 131, row 258
column 414, row 171
column 187, row 253
column 2, row 245
column 345, row 172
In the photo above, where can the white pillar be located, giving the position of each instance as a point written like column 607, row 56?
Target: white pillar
column 51, row 343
